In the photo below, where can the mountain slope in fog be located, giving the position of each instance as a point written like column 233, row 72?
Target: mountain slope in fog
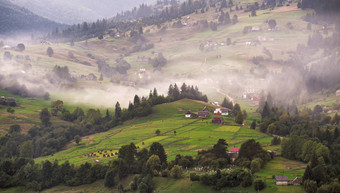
column 77, row 11
column 15, row 18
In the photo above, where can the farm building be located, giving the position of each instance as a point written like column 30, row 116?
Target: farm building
column 222, row 111
column 203, row 114
column 188, row 114
column 10, row 100
column 281, row 180
column 295, row 182
column 217, row 120
column 233, row 153
column 206, row 109
column 90, row 77
column 337, row 93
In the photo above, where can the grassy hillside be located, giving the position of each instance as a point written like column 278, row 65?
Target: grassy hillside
column 191, row 135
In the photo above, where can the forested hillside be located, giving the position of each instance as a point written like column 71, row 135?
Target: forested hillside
column 15, row 18
column 76, row 11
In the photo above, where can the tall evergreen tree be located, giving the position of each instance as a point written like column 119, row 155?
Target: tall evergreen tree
column 118, row 111
column 136, row 100
column 266, row 111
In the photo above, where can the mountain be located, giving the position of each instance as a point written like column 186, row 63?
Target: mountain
column 77, row 11
column 14, row 18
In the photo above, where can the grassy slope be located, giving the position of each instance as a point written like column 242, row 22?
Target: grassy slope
column 191, row 134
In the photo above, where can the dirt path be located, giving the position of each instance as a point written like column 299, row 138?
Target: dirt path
column 229, row 97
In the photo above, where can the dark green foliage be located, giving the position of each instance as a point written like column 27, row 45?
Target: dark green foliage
column 292, row 147
column 259, row 185
column 194, row 176
column 276, row 141
column 158, row 132
column 236, row 110
column 109, row 180
column 45, row 117
column 49, row 52
column 272, row 23
column 15, row 19
column 251, row 150
column 227, row 104
column 20, row 47
column 77, row 139
column 253, row 125
column 239, row 118
column 14, row 129
column 159, row 61
column 158, row 149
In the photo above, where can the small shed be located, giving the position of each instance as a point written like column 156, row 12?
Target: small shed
column 281, row 180
column 217, row 120
column 188, row 114
column 10, row 100
column 203, row 114
column 295, row 182
column 206, row 109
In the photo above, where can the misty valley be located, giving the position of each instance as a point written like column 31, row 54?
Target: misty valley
column 170, row 96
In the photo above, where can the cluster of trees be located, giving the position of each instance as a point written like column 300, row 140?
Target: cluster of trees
column 313, row 138
column 186, row 91
column 251, row 158
column 48, row 139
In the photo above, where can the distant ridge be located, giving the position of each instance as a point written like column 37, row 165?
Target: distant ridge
column 14, row 18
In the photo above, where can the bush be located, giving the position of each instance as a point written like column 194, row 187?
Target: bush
column 109, row 180
column 259, row 185
column 194, row 176
column 165, row 173
column 176, row 171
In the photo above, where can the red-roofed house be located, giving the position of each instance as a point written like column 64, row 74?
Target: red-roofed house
column 233, row 153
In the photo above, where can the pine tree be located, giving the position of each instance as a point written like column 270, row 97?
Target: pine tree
column 155, row 93
column 266, row 111
column 253, row 125
column 118, row 111
column 239, row 118
column 136, row 100
column 176, row 93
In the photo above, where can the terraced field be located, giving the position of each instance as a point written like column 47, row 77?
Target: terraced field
column 191, row 135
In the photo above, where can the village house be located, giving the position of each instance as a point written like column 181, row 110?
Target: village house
column 10, row 100
column 281, row 180
column 188, row 114
column 255, row 29
column 206, row 109
column 337, row 93
column 233, row 153
column 90, row 77
column 217, row 120
column 222, row 111
column 203, row 114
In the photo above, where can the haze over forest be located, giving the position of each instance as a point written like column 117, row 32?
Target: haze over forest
column 77, row 11
column 170, row 96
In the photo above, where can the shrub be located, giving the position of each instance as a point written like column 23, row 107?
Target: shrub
column 176, row 171
column 194, row 176
column 259, row 185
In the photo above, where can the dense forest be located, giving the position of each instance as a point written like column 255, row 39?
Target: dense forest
column 18, row 19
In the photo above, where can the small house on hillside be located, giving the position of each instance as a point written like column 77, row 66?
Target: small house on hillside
column 233, row 153
column 188, row 114
column 10, row 100
column 222, row 111
column 337, row 93
column 217, row 120
column 295, row 182
column 206, row 109
column 281, row 180
column 203, row 114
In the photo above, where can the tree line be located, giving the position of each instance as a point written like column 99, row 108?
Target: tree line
column 147, row 163
column 312, row 137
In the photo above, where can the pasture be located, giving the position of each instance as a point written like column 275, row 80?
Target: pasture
column 191, row 135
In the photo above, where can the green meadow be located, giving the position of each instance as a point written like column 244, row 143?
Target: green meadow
column 179, row 135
